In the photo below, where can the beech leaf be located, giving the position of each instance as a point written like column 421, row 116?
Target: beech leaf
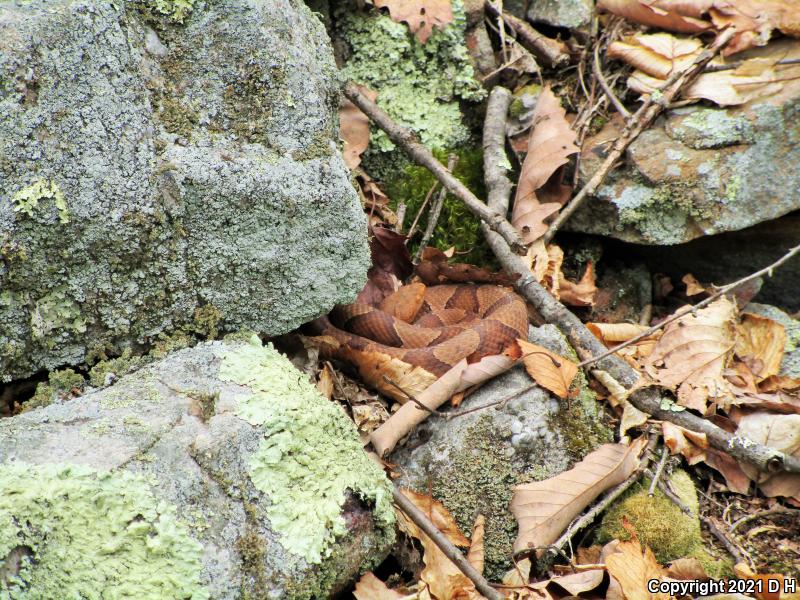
column 550, row 144
column 543, row 509
column 761, row 339
column 370, row 587
column 354, row 129
column 551, row 371
column 632, row 567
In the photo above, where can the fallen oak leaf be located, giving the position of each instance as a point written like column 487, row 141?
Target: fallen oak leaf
column 437, row 514
column 581, row 293
column 633, row 566
column 543, row 509
column 551, row 371
column 421, row 16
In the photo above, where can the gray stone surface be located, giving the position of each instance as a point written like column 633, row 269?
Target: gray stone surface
column 699, row 171
column 149, row 169
column 570, row 14
column 263, row 483
column 472, row 462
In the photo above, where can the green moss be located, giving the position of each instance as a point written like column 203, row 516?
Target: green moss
column 309, row 457
column 119, row 366
column 662, row 526
column 176, row 116
column 171, row 343
column 27, row 199
column 482, row 481
column 177, row 10
column 60, row 385
column 82, row 534
column 457, row 226
column 206, row 321
column 419, row 85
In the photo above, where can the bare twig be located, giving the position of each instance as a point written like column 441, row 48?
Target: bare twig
column 445, row 545
column 406, row 140
column 413, row 229
column 659, row 470
column 647, row 399
column 601, row 79
column 435, row 212
column 401, row 216
column 775, row 510
column 729, row 544
column 552, row 53
column 639, row 121
column 693, row 308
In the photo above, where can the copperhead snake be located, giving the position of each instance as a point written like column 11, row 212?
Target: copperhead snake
column 419, row 332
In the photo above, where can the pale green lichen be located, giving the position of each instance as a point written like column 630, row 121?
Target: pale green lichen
column 27, row 199
column 177, row 10
column 79, row 533
column 309, row 457
column 56, row 310
column 419, row 85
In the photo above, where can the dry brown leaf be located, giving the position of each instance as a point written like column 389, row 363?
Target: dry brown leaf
column 657, row 13
column 549, row 146
column 693, row 287
column 581, row 293
column 781, row 432
column 421, row 16
column 762, row 339
column 438, row 515
column 687, row 569
column 544, row 508
column 354, row 129
column 658, row 55
column 769, row 582
column 692, row 354
column 755, row 20
column 325, row 382
column 615, row 333
column 633, row 566
column 583, row 581
column 551, row 371
column 475, row 556
column 370, row 587
column 690, row 444
column 631, row 417
column 443, row 580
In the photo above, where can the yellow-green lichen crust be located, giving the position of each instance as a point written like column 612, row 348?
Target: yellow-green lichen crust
column 80, row 533
column 310, row 454
column 419, row 85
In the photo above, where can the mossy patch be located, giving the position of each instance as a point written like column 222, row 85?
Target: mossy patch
column 78, row 533
column 457, row 226
column 177, row 10
column 116, row 367
column 61, row 384
column 662, row 526
column 309, row 457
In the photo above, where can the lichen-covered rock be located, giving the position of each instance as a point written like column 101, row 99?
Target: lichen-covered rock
column 419, row 85
column 570, row 14
column 153, row 172
column 217, row 472
column 698, row 172
column 472, row 462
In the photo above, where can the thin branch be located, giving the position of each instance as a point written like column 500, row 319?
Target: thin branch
column 647, row 399
column 435, row 212
column 639, row 121
column 775, row 510
column 552, row 53
column 413, row 229
column 601, row 79
column 406, row 140
column 445, row 545
column 401, row 216
column 730, row 546
column 659, row 470
column 695, row 307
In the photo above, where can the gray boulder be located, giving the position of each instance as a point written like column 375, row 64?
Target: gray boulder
column 472, row 462
column 697, row 172
column 218, row 472
column 157, row 175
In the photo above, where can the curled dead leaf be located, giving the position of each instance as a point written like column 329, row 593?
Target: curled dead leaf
column 551, row 371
